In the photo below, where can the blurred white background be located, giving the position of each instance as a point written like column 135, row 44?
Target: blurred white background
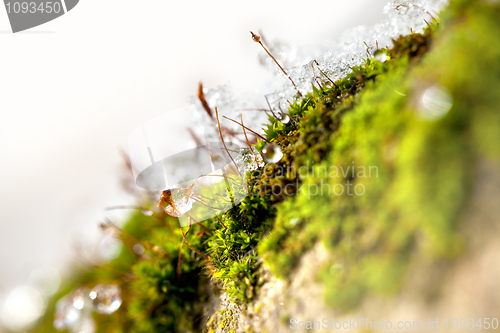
column 73, row 89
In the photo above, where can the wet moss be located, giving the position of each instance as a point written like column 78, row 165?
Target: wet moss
column 413, row 206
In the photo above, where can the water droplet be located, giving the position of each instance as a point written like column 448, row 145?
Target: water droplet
column 436, row 101
column 181, row 202
column 147, row 212
column 246, row 160
column 272, row 153
column 107, row 298
column 139, row 249
column 79, row 298
column 285, row 119
column 78, row 302
column 380, row 55
column 66, row 314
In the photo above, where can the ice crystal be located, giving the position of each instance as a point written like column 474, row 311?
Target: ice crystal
column 247, row 160
column 334, row 58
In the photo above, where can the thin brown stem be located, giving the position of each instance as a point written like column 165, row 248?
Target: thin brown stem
column 270, row 108
column 110, row 269
column 220, row 221
column 319, row 85
column 334, row 85
column 134, row 239
column 205, row 228
column 224, row 143
column 234, row 151
column 257, row 39
column 212, row 208
column 256, row 109
column 248, row 142
column 179, row 259
column 189, row 245
column 198, row 200
column 368, row 49
column 260, row 136
column 225, row 199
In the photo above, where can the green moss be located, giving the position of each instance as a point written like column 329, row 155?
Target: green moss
column 424, row 168
column 221, row 322
column 324, row 151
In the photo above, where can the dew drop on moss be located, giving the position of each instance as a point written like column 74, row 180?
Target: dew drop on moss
column 65, row 314
column 79, row 299
column 272, row 153
column 380, row 56
column 182, row 202
column 106, row 298
column 285, row 119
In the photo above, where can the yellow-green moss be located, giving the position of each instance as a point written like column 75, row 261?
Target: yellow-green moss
column 425, row 168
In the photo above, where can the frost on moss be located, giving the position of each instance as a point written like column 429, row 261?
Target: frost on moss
column 415, row 176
